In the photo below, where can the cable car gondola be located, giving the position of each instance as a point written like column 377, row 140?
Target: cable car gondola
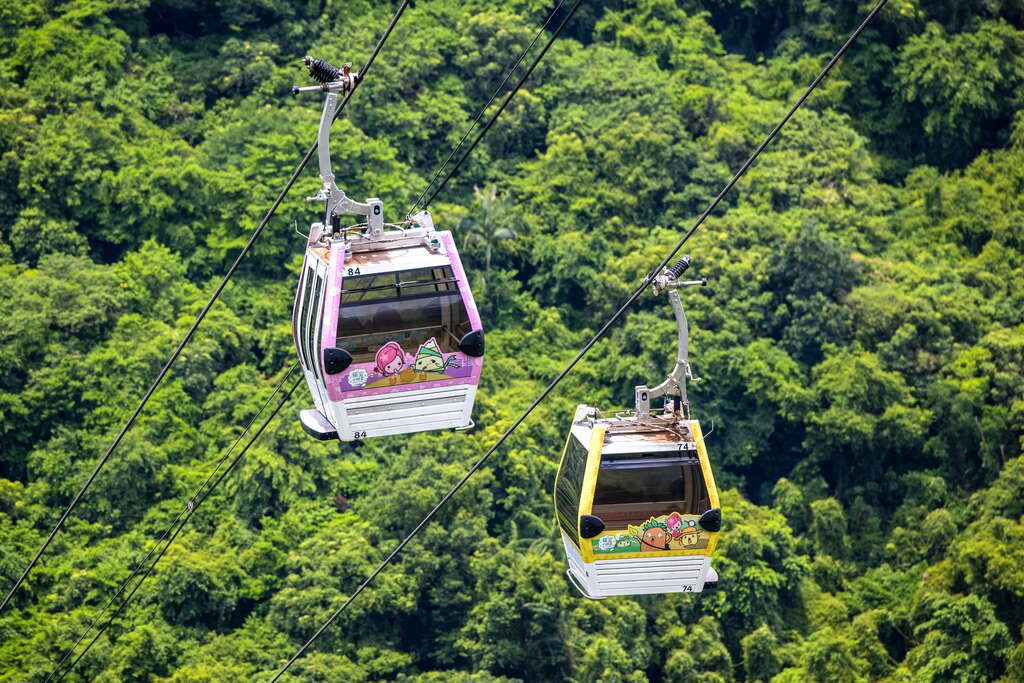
column 384, row 321
column 635, row 497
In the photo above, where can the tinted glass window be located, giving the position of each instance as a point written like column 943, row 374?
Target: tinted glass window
column 427, row 280
column 409, row 307
column 296, row 317
column 310, row 313
column 368, row 287
column 296, row 308
column 568, row 486
column 631, row 492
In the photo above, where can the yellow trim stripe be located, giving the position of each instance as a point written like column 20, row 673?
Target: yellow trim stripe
column 709, row 479
column 654, row 553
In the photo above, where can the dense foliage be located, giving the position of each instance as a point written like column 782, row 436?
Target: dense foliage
column 861, row 340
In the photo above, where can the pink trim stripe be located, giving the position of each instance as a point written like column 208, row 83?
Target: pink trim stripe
column 467, row 298
column 409, row 387
column 332, row 304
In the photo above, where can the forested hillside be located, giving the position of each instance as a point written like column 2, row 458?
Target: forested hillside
column 861, row 338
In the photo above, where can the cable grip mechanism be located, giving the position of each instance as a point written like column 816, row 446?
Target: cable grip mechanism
column 330, row 78
column 669, row 276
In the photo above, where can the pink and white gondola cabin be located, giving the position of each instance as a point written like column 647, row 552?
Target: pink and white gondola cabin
column 388, row 335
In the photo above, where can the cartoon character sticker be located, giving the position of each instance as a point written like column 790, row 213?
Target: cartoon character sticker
column 653, row 536
column 626, row 544
column 689, row 539
column 618, row 543
column 429, row 358
column 393, row 366
column 674, row 522
column 390, row 359
column 683, row 533
column 674, row 531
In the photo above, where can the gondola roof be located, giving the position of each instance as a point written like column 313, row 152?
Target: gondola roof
column 628, row 433
column 401, row 258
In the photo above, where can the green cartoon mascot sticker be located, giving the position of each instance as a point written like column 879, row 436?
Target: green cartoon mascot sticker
column 429, row 358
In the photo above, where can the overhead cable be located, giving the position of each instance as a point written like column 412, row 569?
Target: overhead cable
column 501, row 108
column 191, row 505
column 508, row 74
column 590, row 344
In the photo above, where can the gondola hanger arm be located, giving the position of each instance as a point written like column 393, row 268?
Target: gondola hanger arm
column 675, row 384
column 334, row 81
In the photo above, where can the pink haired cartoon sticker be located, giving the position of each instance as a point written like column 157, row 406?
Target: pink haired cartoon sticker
column 390, row 359
column 674, row 524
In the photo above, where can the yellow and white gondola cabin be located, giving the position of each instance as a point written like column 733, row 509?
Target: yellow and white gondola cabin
column 637, row 505
column 635, row 497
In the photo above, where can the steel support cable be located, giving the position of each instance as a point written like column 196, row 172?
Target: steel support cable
column 458, row 165
column 483, row 110
column 202, row 314
column 198, row 494
column 184, row 517
column 590, row 344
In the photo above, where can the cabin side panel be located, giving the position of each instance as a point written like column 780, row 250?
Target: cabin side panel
column 568, row 488
column 312, row 332
column 705, row 463
column 460, row 274
column 305, row 323
column 332, row 302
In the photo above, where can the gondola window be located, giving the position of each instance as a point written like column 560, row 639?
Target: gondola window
column 316, row 324
column 409, row 307
column 307, row 288
column 629, row 492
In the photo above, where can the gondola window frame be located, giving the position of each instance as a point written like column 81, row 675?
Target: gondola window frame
column 310, row 320
column 297, row 316
column 318, row 291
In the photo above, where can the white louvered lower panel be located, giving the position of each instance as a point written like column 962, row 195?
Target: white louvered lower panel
column 649, row 575
column 405, row 412
column 573, row 556
column 633, row 576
